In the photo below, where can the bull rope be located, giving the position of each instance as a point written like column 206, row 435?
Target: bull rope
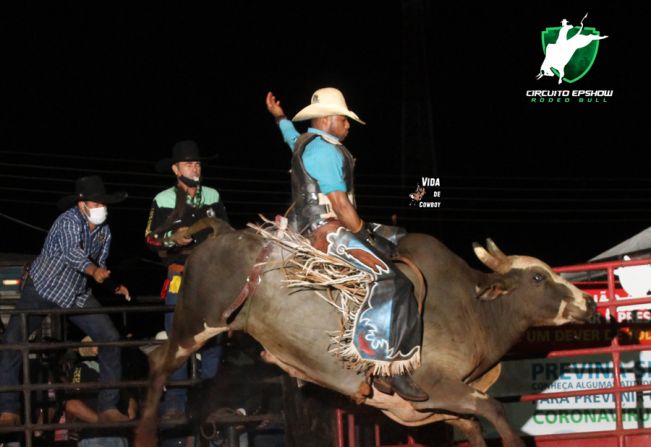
column 338, row 283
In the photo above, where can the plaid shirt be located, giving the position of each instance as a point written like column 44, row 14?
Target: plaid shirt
column 70, row 247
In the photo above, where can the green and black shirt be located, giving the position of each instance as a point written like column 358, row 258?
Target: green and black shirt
column 165, row 217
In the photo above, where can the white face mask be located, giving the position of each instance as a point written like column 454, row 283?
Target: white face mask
column 97, row 216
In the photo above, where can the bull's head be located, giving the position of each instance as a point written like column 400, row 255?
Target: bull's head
column 555, row 300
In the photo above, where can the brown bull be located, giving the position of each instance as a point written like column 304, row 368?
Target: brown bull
column 471, row 319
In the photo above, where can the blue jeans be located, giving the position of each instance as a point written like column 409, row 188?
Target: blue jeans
column 103, row 442
column 211, row 354
column 98, row 326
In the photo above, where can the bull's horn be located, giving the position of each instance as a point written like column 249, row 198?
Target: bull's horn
column 495, row 264
column 494, row 249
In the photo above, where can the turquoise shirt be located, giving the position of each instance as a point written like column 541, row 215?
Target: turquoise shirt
column 322, row 159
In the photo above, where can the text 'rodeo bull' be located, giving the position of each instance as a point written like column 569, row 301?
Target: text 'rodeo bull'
column 470, row 321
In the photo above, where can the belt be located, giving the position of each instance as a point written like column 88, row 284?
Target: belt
column 176, row 268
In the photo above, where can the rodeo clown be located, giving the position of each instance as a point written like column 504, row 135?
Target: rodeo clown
column 173, row 211
column 388, row 333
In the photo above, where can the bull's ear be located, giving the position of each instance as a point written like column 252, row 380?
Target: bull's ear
column 492, row 290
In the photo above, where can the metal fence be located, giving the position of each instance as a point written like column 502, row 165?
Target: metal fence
column 29, row 349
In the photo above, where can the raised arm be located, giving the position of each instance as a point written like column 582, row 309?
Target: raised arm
column 290, row 134
column 273, row 106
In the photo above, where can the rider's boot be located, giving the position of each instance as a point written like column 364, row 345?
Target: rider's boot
column 403, row 385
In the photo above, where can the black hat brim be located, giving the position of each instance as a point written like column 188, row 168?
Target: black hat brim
column 66, row 202
column 163, row 166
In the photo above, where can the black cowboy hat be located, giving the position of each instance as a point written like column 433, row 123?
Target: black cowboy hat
column 186, row 150
column 91, row 188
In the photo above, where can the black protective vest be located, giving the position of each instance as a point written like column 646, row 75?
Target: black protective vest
column 305, row 188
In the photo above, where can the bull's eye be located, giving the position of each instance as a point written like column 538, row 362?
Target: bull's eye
column 538, row 277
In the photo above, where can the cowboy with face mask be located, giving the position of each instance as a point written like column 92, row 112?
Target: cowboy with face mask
column 75, row 249
column 387, row 335
column 172, row 212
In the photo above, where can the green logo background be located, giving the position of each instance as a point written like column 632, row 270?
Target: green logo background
column 582, row 59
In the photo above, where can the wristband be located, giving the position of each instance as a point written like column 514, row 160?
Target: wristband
column 361, row 226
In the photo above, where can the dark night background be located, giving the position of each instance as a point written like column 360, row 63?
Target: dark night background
column 108, row 88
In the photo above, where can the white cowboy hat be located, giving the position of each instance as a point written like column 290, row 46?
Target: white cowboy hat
column 326, row 102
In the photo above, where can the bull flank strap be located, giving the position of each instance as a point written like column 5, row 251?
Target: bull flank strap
column 252, row 282
column 420, row 294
